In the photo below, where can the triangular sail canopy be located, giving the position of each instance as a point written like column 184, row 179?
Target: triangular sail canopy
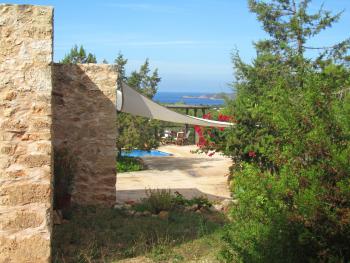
column 130, row 101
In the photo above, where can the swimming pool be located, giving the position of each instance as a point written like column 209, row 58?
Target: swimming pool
column 144, row 153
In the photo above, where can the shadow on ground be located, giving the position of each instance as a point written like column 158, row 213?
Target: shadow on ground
column 165, row 163
column 108, row 235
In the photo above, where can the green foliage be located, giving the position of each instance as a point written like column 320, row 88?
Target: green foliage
column 78, row 55
column 143, row 82
column 128, row 164
column 137, row 132
column 158, row 200
column 290, row 147
column 201, row 201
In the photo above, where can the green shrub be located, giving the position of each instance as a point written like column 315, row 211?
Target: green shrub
column 161, row 199
column 129, row 164
column 291, row 148
column 201, row 201
column 158, row 200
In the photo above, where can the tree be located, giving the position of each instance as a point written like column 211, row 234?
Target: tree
column 78, row 55
column 143, row 82
column 137, row 132
column 119, row 65
column 290, row 146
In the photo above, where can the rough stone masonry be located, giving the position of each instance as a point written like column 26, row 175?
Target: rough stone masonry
column 25, row 133
column 84, row 124
column 42, row 107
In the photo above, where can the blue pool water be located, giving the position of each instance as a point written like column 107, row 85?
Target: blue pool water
column 142, row 153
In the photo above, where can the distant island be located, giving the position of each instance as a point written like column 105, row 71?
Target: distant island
column 212, row 96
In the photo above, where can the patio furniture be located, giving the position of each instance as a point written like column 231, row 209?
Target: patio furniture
column 166, row 138
column 180, row 137
column 186, row 141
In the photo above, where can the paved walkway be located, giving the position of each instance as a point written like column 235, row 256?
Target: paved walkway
column 190, row 174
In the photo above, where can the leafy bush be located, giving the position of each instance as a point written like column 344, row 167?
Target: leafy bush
column 158, row 200
column 201, row 201
column 129, row 164
column 211, row 138
column 291, row 146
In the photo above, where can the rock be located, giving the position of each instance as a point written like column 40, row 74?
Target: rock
column 198, row 211
column 226, row 202
column 218, row 207
column 153, row 215
column 163, row 214
column 138, row 214
column 212, row 209
column 130, row 212
column 126, row 206
column 193, row 207
column 57, row 217
column 146, row 213
column 235, row 201
column 118, row 206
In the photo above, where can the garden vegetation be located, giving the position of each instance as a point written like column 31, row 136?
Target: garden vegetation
column 290, row 148
column 133, row 131
column 129, row 164
column 290, row 145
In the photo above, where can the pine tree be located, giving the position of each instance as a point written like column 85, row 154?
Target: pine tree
column 78, row 55
column 136, row 132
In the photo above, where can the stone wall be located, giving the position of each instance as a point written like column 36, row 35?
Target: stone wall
column 84, row 121
column 25, row 133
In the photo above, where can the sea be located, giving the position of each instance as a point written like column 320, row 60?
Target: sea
column 178, row 97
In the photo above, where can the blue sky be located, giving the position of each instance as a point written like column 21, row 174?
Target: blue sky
column 189, row 41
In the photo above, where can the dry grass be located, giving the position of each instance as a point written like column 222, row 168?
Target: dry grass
column 110, row 235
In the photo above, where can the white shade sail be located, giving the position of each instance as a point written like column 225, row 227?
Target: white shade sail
column 130, row 101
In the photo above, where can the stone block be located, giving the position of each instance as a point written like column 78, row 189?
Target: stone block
column 22, row 194
column 25, row 117
column 26, row 248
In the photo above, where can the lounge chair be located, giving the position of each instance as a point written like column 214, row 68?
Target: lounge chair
column 180, row 137
column 166, row 138
column 186, row 141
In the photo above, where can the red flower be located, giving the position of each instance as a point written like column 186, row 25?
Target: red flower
column 252, row 154
column 198, row 130
column 202, row 141
column 211, row 154
column 222, row 117
column 207, row 116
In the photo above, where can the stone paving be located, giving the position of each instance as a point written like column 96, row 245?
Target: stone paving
column 185, row 172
